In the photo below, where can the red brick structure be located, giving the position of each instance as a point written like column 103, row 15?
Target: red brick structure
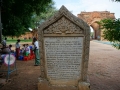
column 29, row 35
column 93, row 17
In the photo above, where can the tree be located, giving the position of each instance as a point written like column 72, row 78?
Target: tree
column 17, row 15
column 38, row 19
column 111, row 31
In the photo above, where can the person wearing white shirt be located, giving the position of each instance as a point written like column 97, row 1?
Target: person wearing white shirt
column 36, row 51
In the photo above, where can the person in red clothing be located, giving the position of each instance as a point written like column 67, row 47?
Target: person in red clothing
column 17, row 45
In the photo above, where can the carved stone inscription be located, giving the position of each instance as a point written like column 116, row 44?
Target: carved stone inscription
column 63, row 57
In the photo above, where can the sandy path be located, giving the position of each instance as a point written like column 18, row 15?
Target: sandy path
column 104, row 67
column 103, row 71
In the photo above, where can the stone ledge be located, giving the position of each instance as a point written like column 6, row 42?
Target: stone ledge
column 84, row 86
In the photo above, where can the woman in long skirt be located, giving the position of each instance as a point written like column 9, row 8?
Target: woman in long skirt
column 17, row 48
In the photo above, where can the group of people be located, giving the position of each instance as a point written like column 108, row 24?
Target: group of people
column 25, row 49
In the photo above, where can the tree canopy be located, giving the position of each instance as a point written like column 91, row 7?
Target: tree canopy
column 111, row 31
column 17, row 15
column 38, row 19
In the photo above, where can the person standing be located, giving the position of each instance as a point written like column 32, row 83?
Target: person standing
column 17, row 45
column 36, row 51
column 4, row 42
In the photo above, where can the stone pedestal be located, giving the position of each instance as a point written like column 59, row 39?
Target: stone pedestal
column 84, row 86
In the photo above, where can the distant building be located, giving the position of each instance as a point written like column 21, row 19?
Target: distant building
column 28, row 35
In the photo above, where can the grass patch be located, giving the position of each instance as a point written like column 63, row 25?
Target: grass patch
column 12, row 41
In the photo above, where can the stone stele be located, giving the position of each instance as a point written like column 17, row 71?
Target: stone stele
column 64, row 50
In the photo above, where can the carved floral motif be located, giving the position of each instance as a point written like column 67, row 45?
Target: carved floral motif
column 63, row 25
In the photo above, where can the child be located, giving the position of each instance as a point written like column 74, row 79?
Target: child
column 23, row 49
column 27, row 49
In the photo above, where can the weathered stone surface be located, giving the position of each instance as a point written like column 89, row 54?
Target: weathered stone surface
column 64, row 56
column 84, row 86
column 64, row 49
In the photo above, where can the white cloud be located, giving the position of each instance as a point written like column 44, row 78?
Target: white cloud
column 76, row 6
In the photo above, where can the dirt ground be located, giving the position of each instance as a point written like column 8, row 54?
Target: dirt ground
column 103, row 71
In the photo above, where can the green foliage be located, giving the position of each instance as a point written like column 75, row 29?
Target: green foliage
column 17, row 15
column 111, row 31
column 38, row 19
column 49, row 13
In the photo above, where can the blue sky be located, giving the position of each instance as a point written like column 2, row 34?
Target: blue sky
column 76, row 6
